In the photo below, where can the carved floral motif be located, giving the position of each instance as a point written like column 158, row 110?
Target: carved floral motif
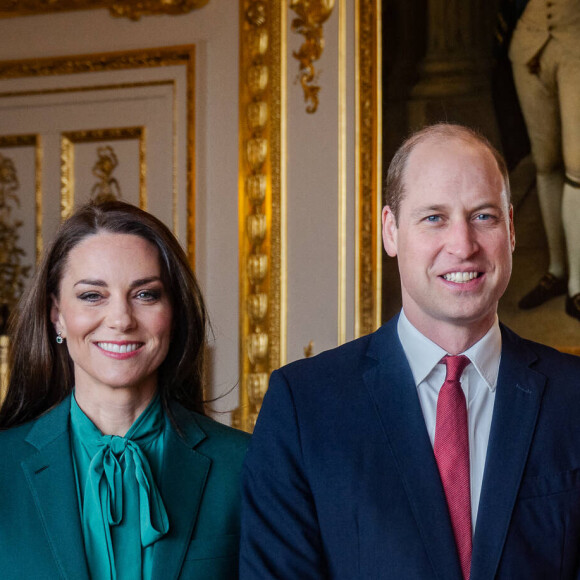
column 311, row 15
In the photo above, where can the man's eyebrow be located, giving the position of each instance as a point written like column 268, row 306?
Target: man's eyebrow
column 103, row 284
column 438, row 208
column 429, row 209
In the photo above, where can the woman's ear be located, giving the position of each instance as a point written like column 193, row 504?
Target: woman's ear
column 55, row 313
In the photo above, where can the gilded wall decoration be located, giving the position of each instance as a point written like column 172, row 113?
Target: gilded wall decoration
column 34, row 142
column 369, row 167
column 134, row 59
column 128, row 8
column 12, row 271
column 311, row 15
column 261, row 201
column 107, row 187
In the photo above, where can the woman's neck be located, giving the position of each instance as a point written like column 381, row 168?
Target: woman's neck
column 113, row 410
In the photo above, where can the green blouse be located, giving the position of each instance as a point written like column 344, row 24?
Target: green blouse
column 121, row 508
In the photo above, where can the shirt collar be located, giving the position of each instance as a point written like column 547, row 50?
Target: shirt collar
column 423, row 354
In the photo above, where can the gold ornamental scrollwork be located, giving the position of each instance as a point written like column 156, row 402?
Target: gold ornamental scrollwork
column 311, row 15
column 261, row 201
column 129, row 8
column 67, row 181
column 369, row 144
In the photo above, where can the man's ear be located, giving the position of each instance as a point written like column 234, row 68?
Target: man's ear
column 390, row 231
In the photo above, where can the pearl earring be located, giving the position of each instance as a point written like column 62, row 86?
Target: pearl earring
column 59, row 338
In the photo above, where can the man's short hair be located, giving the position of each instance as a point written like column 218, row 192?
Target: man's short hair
column 395, row 182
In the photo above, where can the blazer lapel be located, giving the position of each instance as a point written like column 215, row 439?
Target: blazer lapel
column 517, row 404
column 392, row 388
column 184, row 476
column 51, row 479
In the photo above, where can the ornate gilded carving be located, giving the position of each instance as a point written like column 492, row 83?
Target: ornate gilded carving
column 31, row 141
column 107, row 188
column 312, row 14
column 174, row 55
column 12, row 272
column 107, row 161
column 129, row 8
column 369, row 255
column 262, row 315
column 154, row 57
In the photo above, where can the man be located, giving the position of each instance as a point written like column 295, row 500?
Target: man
column 384, row 458
column 545, row 55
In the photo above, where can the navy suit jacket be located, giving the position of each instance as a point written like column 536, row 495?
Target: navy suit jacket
column 340, row 480
column 40, row 529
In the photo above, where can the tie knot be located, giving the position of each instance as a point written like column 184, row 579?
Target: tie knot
column 455, row 366
column 118, row 444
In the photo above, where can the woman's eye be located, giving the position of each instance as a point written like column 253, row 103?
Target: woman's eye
column 90, row 296
column 149, row 295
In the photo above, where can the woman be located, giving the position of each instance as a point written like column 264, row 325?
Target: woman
column 108, row 467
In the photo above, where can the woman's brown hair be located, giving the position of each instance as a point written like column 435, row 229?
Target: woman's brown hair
column 41, row 371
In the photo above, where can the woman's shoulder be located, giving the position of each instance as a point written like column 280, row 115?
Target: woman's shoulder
column 220, row 430
column 209, row 433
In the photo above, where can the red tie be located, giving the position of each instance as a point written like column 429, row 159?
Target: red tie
column 452, row 455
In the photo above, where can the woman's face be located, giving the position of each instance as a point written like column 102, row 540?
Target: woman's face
column 114, row 313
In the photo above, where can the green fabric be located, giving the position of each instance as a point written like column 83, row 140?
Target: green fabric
column 121, row 508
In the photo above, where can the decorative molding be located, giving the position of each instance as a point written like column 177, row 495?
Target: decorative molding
column 94, row 136
column 127, row 8
column 98, row 62
column 261, row 201
column 312, row 14
column 12, row 272
column 369, row 167
column 153, row 57
column 7, row 141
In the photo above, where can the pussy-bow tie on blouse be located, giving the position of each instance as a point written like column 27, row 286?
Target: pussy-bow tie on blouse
column 119, row 471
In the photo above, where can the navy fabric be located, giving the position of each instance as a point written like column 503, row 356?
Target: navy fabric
column 341, row 482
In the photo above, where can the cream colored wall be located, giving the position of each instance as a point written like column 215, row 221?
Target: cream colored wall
column 314, row 189
column 314, row 299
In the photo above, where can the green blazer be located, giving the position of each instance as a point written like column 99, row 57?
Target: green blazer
column 40, row 529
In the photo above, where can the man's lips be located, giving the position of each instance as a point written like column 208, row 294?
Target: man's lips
column 461, row 277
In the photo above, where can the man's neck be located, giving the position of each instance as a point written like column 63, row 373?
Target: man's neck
column 452, row 337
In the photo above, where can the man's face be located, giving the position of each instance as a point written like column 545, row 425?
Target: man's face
column 454, row 239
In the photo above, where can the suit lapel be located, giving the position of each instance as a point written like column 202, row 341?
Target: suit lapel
column 517, row 404
column 184, row 477
column 51, row 479
column 392, row 388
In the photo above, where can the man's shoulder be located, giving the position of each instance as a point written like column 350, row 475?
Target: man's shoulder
column 346, row 359
column 541, row 357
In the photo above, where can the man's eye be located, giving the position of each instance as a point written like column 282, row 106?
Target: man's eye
column 483, row 216
column 433, row 218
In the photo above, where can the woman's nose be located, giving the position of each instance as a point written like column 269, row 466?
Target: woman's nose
column 120, row 315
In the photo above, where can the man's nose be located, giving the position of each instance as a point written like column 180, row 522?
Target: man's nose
column 462, row 240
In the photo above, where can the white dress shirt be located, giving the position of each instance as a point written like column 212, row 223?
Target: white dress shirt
column 478, row 382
